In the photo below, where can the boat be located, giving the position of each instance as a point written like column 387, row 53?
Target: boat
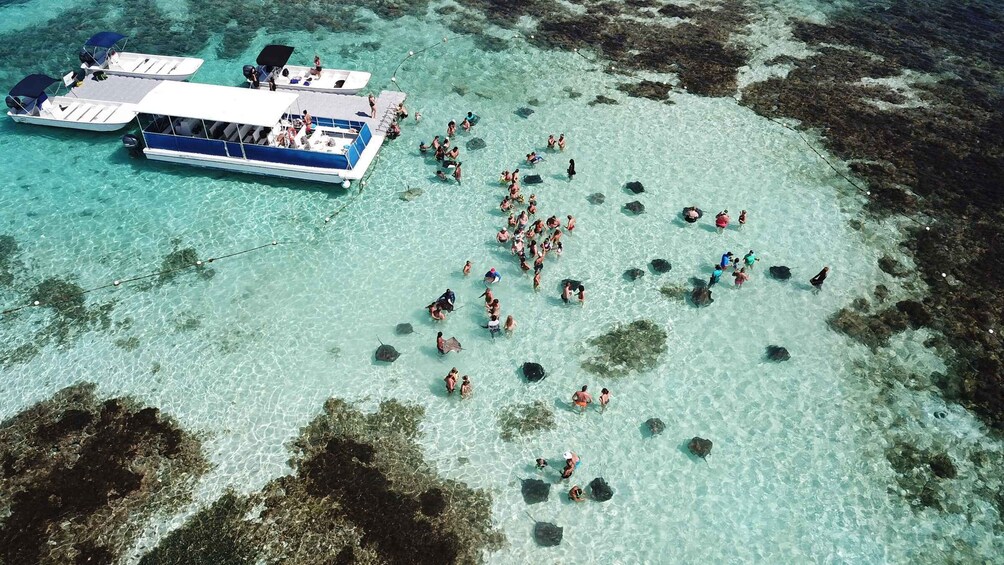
column 30, row 102
column 271, row 64
column 254, row 131
column 103, row 53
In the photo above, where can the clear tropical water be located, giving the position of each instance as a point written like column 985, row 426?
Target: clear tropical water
column 798, row 472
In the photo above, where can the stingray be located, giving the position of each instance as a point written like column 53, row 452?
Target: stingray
column 700, row 447
column 532, row 179
column 475, row 144
column 547, row 534
column 387, row 353
column 451, row 345
column 410, row 194
column 524, row 112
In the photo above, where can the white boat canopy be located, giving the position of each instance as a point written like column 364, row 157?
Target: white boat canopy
column 217, row 103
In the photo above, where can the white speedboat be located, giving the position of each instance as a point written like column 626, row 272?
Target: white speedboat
column 256, row 132
column 104, row 53
column 29, row 102
column 271, row 64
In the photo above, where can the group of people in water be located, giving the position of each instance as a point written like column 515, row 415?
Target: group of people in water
column 447, row 156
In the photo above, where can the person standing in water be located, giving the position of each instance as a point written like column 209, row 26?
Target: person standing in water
column 456, row 172
column 742, row 219
column 581, row 398
column 510, row 325
column 467, row 268
column 722, row 220
column 466, row 388
column 582, row 295
column 604, row 400
column 566, row 293
column 817, row 281
column 451, row 380
column 571, row 223
column 741, row 276
column 440, row 343
column 571, row 168
column 716, row 275
column 750, row 259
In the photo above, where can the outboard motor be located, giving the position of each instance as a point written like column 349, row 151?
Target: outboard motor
column 86, row 58
column 134, row 144
column 249, row 71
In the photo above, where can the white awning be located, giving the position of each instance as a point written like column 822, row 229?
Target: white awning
column 219, row 103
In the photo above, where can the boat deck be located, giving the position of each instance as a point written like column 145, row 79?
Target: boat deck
column 117, row 89
column 129, row 90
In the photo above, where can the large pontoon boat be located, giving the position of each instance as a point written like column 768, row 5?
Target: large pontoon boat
column 103, row 52
column 271, row 64
column 35, row 101
column 252, row 131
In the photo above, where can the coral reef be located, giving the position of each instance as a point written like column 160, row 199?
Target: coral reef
column 520, row 420
column 360, row 493
column 79, row 476
column 627, row 348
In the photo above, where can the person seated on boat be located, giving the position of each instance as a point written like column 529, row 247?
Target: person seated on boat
column 473, row 118
column 308, row 122
column 402, row 112
column 255, row 83
column 316, row 71
column 466, row 124
column 271, row 83
column 423, row 148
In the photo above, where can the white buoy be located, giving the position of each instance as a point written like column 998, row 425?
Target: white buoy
column 410, row 53
column 198, row 263
column 328, row 219
column 362, row 183
column 393, row 79
column 943, row 275
column 928, row 228
column 991, row 330
column 37, row 303
column 444, row 39
column 869, row 193
column 274, row 242
column 346, row 184
column 116, row 283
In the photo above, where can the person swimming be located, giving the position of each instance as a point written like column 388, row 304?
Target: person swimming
column 692, row 214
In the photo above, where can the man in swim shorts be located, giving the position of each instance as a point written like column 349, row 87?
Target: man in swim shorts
column 582, row 398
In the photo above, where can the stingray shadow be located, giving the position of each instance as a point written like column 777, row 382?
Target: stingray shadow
column 709, row 228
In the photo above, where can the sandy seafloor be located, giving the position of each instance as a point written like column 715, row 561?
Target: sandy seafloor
column 798, row 472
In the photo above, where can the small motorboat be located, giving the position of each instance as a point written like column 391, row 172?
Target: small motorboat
column 103, row 52
column 271, row 64
column 34, row 101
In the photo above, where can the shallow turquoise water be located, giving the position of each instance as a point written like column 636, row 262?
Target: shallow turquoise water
column 798, row 472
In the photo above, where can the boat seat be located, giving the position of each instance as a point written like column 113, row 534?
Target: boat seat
column 77, row 110
column 103, row 114
column 90, row 113
column 216, row 130
column 229, row 131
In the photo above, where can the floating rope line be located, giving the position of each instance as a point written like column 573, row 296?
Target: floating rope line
column 840, row 173
column 119, row 282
